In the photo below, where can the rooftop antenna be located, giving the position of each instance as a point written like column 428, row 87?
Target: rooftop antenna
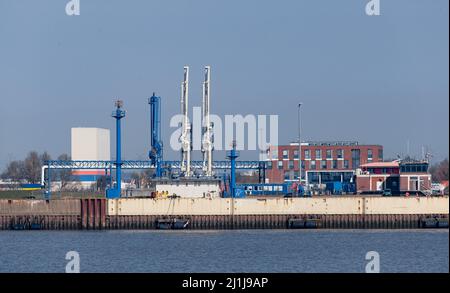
column 407, row 148
column 428, row 156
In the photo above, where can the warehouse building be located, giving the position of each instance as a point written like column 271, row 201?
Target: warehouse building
column 322, row 162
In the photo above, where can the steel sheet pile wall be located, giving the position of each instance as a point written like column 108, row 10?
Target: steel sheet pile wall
column 93, row 214
column 224, row 213
column 54, row 214
column 39, row 207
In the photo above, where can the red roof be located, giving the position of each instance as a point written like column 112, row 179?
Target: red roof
column 393, row 164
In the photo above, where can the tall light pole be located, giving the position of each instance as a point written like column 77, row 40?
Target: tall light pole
column 299, row 148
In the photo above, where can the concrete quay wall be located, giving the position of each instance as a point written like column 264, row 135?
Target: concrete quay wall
column 355, row 205
column 222, row 213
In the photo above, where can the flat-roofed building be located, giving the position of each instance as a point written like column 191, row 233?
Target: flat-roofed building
column 322, row 162
column 397, row 176
column 89, row 144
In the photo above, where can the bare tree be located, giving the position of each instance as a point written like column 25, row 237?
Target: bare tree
column 440, row 171
column 102, row 183
column 44, row 157
column 13, row 171
column 32, row 167
column 65, row 175
column 28, row 169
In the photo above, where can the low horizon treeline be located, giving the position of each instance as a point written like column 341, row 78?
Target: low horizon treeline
column 29, row 169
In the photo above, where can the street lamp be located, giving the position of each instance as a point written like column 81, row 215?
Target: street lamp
column 299, row 148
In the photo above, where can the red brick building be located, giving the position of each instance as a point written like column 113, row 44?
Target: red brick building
column 397, row 176
column 322, row 162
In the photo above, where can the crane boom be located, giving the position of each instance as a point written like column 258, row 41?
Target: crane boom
column 207, row 138
column 185, row 137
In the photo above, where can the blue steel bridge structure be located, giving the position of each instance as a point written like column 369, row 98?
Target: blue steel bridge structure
column 131, row 164
column 109, row 166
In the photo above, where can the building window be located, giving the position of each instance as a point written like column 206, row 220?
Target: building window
column 269, row 165
column 323, row 164
column 303, row 165
column 380, row 154
column 346, row 164
column 318, row 154
column 280, row 164
column 414, row 168
column 312, row 165
column 313, row 177
column 291, row 164
column 335, row 164
column 296, row 154
column 296, row 175
column 340, row 153
column 286, row 176
column 274, row 154
column 307, row 154
column 356, row 158
column 285, row 154
column 329, row 154
column 369, row 154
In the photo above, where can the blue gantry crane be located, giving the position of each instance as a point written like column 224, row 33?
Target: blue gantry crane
column 156, row 152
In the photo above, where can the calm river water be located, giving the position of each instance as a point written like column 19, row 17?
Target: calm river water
column 226, row 251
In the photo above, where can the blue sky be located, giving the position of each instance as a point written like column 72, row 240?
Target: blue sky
column 381, row 80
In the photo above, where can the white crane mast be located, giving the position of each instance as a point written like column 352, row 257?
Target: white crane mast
column 207, row 139
column 185, row 137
